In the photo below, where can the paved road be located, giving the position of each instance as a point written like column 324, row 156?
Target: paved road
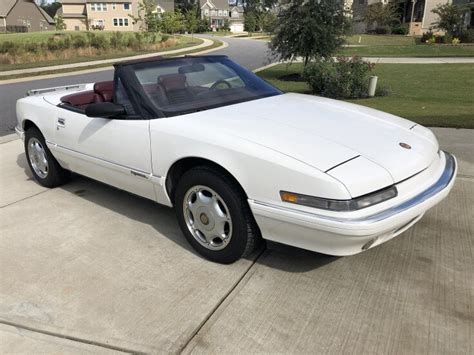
column 249, row 53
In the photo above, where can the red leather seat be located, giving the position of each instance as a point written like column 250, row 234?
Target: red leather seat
column 105, row 89
column 173, row 88
column 82, row 100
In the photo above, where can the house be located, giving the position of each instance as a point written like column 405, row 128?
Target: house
column 416, row 14
column 23, row 16
column 469, row 19
column 218, row 11
column 108, row 15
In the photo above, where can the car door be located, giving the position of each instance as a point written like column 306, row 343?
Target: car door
column 114, row 151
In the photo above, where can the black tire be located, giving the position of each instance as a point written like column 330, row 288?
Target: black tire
column 245, row 232
column 56, row 175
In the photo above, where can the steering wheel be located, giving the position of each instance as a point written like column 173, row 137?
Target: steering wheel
column 218, row 82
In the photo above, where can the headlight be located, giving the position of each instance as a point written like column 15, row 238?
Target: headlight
column 340, row 205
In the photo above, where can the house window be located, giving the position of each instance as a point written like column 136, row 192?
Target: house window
column 104, row 7
column 121, row 22
column 76, row 28
column 213, row 12
column 126, row 6
column 206, row 12
column 220, row 13
column 113, row 6
column 125, row 22
column 93, row 7
column 225, row 13
column 115, row 22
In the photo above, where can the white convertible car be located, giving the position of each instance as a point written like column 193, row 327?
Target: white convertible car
column 237, row 158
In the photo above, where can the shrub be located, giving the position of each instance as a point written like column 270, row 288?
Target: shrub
column 400, row 29
column 467, row 36
column 116, row 40
column 347, row 77
column 32, row 47
column 52, row 44
column 79, row 41
column 98, row 42
column 8, row 47
column 164, row 38
column 385, row 30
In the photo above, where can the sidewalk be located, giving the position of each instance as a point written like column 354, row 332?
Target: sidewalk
column 206, row 43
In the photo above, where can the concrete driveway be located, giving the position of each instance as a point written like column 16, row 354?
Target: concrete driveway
column 88, row 268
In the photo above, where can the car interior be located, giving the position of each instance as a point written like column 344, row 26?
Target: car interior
column 102, row 92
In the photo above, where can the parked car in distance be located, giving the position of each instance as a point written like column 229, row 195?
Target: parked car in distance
column 238, row 159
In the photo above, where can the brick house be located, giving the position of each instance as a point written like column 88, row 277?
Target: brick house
column 23, row 16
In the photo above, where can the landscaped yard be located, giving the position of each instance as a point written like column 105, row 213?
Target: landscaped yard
column 430, row 94
column 402, row 46
column 23, row 56
column 380, row 40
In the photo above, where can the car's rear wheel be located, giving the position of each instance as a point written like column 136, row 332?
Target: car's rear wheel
column 46, row 170
column 214, row 215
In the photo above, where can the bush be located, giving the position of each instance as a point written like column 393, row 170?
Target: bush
column 79, row 41
column 385, row 30
column 32, row 47
column 98, row 42
column 467, row 36
column 345, row 78
column 116, row 39
column 8, row 47
column 52, row 44
column 400, row 29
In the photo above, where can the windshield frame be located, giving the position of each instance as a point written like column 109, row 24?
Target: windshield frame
column 150, row 110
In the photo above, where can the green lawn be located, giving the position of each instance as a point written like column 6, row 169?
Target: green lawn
column 431, row 94
column 420, row 50
column 380, row 40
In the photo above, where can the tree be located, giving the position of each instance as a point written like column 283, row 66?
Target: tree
column 268, row 21
column 310, row 29
column 191, row 20
column 383, row 16
column 450, row 18
column 59, row 23
column 52, row 8
column 146, row 16
column 172, row 22
column 250, row 21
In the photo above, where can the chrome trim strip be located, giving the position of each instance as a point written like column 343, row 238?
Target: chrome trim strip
column 20, row 133
column 445, row 179
column 57, row 88
column 133, row 171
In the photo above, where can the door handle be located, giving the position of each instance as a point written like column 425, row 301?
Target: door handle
column 61, row 123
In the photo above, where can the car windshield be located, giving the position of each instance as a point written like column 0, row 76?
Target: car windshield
column 192, row 84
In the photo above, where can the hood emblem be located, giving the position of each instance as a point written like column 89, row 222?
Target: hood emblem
column 404, row 145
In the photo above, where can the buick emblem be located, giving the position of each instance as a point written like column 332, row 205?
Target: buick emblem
column 404, row 145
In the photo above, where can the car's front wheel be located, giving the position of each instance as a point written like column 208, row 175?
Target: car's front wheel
column 214, row 215
column 46, row 170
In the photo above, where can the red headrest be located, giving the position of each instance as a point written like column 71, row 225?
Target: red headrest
column 172, row 82
column 105, row 89
column 82, row 98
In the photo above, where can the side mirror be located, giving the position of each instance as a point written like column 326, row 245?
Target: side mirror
column 105, row 110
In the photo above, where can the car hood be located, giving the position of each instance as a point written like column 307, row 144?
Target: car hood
column 325, row 133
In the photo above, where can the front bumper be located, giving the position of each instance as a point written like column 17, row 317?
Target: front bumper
column 20, row 132
column 345, row 235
